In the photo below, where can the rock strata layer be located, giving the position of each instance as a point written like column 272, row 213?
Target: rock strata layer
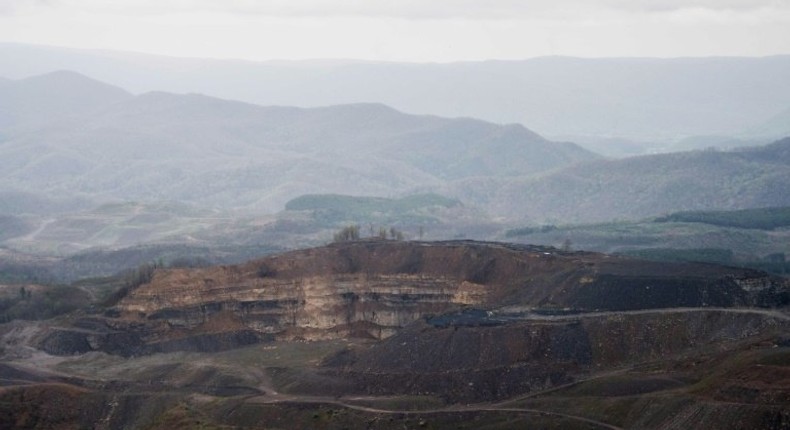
column 374, row 288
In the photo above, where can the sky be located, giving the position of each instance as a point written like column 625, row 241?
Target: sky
column 404, row 30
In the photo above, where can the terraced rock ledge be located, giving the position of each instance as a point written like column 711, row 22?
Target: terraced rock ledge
column 386, row 334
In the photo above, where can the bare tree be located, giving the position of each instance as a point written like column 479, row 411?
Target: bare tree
column 347, row 234
column 395, row 234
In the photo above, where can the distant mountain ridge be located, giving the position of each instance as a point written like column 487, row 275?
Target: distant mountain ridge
column 233, row 155
column 646, row 99
column 43, row 99
column 777, row 126
column 638, row 187
column 199, row 149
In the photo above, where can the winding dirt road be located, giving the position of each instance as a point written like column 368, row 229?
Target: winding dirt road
column 274, row 397
column 450, row 409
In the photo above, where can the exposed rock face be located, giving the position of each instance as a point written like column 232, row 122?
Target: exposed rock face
column 314, row 304
column 373, row 288
column 584, row 337
column 310, row 294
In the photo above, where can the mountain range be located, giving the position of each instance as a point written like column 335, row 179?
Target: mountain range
column 172, row 259
column 111, row 146
column 115, row 146
column 40, row 100
column 650, row 102
column 638, row 187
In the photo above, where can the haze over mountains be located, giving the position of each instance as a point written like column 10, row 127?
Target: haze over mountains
column 648, row 102
column 66, row 135
column 231, row 154
column 179, row 260
column 366, row 237
column 42, row 100
column 643, row 186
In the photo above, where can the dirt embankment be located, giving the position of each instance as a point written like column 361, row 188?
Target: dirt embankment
column 474, row 362
column 453, row 322
column 374, row 288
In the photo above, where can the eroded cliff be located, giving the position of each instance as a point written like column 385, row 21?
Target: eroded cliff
column 451, row 323
column 373, row 288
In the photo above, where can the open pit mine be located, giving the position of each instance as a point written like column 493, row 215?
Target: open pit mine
column 397, row 334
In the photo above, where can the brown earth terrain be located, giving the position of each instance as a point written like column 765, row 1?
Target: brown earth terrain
column 386, row 334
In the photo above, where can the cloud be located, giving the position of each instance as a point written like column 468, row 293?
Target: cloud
column 9, row 7
column 404, row 30
column 406, row 9
column 674, row 5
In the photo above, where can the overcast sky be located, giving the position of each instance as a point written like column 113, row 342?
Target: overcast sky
column 404, row 30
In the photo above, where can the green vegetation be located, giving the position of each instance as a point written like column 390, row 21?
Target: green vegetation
column 321, row 216
column 100, row 288
column 12, row 272
column 707, row 255
column 334, row 208
column 396, row 234
column 35, row 302
column 351, row 233
column 133, row 279
column 641, row 187
column 18, row 268
column 524, row 231
column 763, row 218
column 768, row 264
column 347, row 234
column 677, row 238
column 367, row 205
